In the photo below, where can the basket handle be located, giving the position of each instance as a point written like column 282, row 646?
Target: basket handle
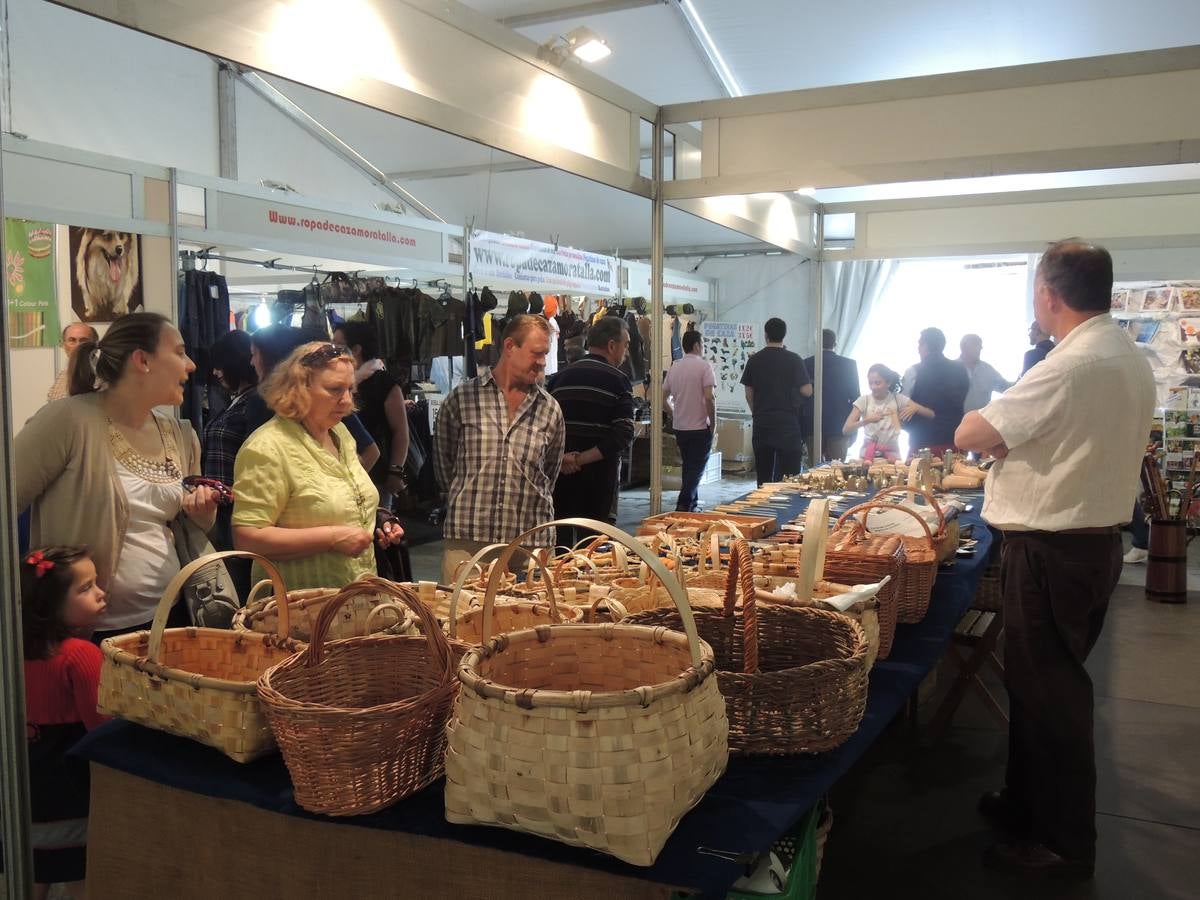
column 390, row 606
column 678, row 595
column 710, row 544
column 435, row 641
column 615, row 607
column 929, row 499
column 499, row 567
column 258, row 591
column 282, row 623
column 620, row 557
column 866, row 508
column 576, row 556
column 741, row 574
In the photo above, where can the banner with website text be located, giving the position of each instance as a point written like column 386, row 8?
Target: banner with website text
column 501, row 261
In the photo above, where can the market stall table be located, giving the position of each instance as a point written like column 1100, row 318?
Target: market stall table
column 173, row 818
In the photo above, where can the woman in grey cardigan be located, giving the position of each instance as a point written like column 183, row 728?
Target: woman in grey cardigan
column 104, row 470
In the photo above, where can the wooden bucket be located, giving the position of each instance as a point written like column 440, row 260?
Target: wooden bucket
column 1166, row 569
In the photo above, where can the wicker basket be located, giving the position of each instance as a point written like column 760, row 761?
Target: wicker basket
column 478, row 623
column 946, row 535
column 709, row 571
column 197, row 683
column 859, row 557
column 361, row 721
column 919, row 570
column 864, row 612
column 600, row 736
column 260, row 615
column 794, row 678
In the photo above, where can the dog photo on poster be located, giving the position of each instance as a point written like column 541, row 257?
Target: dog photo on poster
column 106, row 275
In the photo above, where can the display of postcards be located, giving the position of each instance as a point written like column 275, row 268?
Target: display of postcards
column 1191, row 362
column 1188, row 298
column 1177, row 398
column 1143, row 331
column 1189, row 332
column 1120, row 301
column 1157, row 299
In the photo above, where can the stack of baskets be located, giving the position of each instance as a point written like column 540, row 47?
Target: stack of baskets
column 197, row 683
column 361, row 721
column 600, row 736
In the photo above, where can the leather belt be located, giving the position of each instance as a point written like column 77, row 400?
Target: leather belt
column 1100, row 529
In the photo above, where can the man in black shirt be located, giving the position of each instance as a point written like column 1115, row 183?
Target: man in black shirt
column 938, row 388
column 839, row 390
column 1042, row 344
column 596, row 398
column 776, row 382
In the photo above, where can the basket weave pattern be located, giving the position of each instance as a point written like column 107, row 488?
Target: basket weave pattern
column 353, row 620
column 600, row 736
column 794, row 678
column 196, row 683
column 361, row 721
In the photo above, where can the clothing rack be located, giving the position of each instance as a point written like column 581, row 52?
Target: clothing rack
column 189, row 258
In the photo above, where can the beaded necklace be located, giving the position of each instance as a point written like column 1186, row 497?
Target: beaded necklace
column 156, row 471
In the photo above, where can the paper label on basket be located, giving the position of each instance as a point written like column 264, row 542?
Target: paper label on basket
column 842, row 602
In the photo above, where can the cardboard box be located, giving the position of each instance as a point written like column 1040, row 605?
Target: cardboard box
column 672, row 479
column 734, row 438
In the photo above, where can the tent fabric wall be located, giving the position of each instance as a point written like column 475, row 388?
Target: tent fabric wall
column 850, row 290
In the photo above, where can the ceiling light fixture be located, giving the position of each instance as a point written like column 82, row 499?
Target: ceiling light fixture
column 723, row 72
column 582, row 43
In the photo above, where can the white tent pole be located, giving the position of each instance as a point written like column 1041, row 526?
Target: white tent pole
column 656, row 321
column 819, row 355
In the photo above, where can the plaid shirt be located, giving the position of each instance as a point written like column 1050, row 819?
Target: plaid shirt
column 498, row 474
column 223, row 438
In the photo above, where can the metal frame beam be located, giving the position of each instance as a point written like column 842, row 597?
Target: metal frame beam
column 997, row 121
column 227, row 141
column 579, row 11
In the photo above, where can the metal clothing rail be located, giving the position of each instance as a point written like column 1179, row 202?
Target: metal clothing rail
column 189, row 258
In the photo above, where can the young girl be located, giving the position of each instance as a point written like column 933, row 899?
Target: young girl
column 59, row 600
column 879, row 415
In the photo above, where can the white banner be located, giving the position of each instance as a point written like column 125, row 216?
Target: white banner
column 728, row 345
column 350, row 236
column 498, row 259
column 678, row 288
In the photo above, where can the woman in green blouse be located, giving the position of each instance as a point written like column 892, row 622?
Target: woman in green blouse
column 303, row 500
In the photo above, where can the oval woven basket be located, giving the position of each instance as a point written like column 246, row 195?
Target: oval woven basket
column 361, row 721
column 600, row 736
column 945, row 536
column 919, row 569
column 260, row 614
column 864, row 612
column 196, row 683
column 794, row 678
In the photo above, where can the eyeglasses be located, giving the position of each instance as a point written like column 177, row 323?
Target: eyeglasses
column 324, row 354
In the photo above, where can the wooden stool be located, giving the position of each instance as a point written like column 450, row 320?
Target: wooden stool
column 972, row 646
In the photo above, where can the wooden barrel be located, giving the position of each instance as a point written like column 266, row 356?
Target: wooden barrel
column 1166, row 569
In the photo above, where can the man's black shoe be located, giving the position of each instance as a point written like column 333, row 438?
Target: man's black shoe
column 1037, row 861
column 1003, row 813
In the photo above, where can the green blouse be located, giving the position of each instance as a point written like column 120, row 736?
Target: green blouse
column 283, row 477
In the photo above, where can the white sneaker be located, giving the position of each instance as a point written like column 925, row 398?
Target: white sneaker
column 1136, row 556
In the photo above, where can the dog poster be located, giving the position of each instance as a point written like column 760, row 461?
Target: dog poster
column 106, row 274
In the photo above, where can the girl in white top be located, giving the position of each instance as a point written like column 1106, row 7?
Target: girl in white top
column 878, row 414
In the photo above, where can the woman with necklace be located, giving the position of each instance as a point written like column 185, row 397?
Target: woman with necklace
column 301, row 497
column 102, row 469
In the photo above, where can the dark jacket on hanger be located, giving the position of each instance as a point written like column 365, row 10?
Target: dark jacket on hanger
column 441, row 325
column 203, row 317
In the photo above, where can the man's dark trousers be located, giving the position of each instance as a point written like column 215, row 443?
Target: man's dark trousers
column 1056, row 588
column 776, row 457
column 694, row 447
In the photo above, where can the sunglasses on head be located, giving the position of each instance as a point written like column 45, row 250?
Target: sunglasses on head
column 324, row 354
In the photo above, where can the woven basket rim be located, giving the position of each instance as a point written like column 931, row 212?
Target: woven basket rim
column 686, row 681
column 273, row 698
column 113, row 650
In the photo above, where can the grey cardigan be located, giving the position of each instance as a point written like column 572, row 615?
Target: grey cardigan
column 65, row 470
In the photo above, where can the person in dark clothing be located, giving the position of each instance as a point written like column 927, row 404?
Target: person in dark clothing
column 381, row 408
column 938, row 389
column 1042, row 344
column 596, row 399
column 776, row 381
column 839, row 390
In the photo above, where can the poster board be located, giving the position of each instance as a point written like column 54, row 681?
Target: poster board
column 1163, row 318
column 728, row 345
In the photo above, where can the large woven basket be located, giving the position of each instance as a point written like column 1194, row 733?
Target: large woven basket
column 864, row 612
column 361, row 721
column 858, row 556
column 920, row 567
column 946, row 534
column 794, row 678
column 355, row 618
column 472, row 625
column 197, row 683
column 600, row 736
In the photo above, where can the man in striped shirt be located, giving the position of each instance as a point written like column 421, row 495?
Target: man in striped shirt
column 596, row 399
column 498, row 446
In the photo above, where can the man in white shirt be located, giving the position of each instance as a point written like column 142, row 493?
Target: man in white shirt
column 985, row 380
column 689, row 391
column 1070, row 436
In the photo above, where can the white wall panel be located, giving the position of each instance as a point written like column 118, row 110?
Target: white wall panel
column 83, row 83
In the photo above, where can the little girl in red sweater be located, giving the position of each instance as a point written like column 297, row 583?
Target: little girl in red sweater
column 59, row 601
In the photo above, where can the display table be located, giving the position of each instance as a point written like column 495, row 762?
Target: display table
column 172, row 818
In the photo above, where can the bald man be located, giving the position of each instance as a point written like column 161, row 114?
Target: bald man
column 985, row 380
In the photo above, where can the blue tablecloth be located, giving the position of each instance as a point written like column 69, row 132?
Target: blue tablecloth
column 756, row 802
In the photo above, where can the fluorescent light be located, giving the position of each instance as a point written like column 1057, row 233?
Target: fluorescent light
column 710, row 48
column 592, row 51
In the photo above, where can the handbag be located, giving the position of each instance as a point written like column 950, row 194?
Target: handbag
column 209, row 594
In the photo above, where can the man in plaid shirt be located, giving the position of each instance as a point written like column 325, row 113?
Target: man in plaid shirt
column 498, row 447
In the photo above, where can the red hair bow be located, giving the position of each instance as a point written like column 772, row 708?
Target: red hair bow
column 38, row 560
